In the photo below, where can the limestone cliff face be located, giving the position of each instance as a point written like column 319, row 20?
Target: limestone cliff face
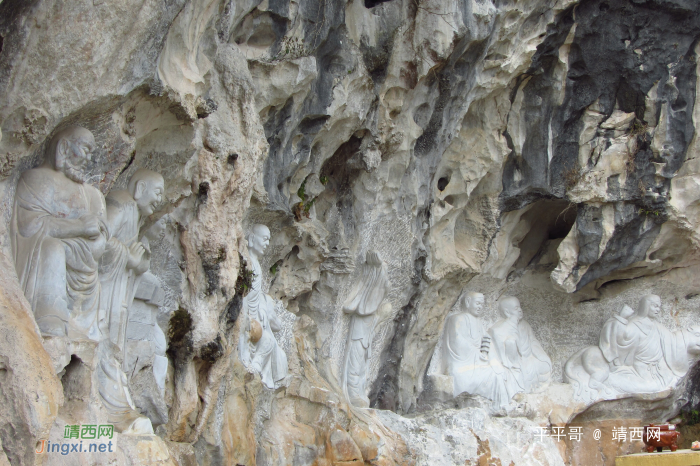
column 544, row 149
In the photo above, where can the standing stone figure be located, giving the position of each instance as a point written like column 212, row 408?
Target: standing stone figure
column 257, row 345
column 58, row 234
column 124, row 260
column 523, row 364
column 636, row 354
column 366, row 305
column 466, row 348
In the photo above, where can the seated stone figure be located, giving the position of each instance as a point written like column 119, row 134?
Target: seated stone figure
column 497, row 365
column 635, row 354
column 521, row 360
column 465, row 353
column 257, row 346
column 58, row 234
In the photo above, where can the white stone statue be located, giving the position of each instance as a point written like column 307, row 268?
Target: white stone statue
column 515, row 346
column 257, row 346
column 466, row 354
column 58, row 234
column 366, row 303
column 497, row 365
column 124, row 259
column 636, row 354
column 145, row 340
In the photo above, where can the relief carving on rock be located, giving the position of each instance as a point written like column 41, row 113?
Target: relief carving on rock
column 59, row 234
column 369, row 308
column 257, row 346
column 636, row 354
column 78, row 259
column 497, row 364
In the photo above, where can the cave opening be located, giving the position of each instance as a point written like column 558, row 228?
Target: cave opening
column 373, row 3
column 548, row 222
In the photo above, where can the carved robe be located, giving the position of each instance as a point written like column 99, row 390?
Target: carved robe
column 612, row 332
column 525, row 365
column 462, row 359
column 265, row 356
column 363, row 303
column 652, row 357
column 118, row 282
column 59, row 276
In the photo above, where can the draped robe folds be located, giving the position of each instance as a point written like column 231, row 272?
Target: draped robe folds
column 522, row 362
column 613, row 329
column 462, row 359
column 59, row 276
column 363, row 302
column 652, row 357
column 265, row 356
column 118, row 283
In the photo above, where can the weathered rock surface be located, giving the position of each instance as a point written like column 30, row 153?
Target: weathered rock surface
column 543, row 149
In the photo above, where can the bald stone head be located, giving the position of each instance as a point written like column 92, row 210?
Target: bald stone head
column 473, row 303
column 510, row 308
column 146, row 187
column 70, row 151
column 258, row 239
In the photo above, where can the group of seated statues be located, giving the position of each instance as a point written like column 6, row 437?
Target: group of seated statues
column 636, row 354
column 80, row 258
column 498, row 363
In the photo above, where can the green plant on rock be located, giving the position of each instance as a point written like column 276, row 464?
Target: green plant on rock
column 649, row 212
column 244, row 282
column 302, row 208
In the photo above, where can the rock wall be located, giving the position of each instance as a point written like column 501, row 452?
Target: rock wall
column 543, row 149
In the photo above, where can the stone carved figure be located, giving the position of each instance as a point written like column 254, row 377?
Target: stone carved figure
column 58, row 234
column 636, row 354
column 257, row 346
column 145, row 360
column 526, row 367
column 125, row 258
column 466, row 354
column 366, row 303
column 498, row 364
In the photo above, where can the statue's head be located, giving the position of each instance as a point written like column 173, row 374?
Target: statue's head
column 69, row 152
column 473, row 303
column 691, row 335
column 650, row 306
column 157, row 230
column 510, row 308
column 258, row 239
column 146, row 187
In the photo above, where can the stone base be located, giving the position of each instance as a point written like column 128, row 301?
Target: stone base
column 665, row 458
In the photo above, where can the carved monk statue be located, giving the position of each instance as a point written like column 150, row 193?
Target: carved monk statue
column 124, row 259
column 525, row 365
column 367, row 306
column 257, row 345
column 636, row 354
column 58, row 234
column 462, row 341
column 466, row 353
